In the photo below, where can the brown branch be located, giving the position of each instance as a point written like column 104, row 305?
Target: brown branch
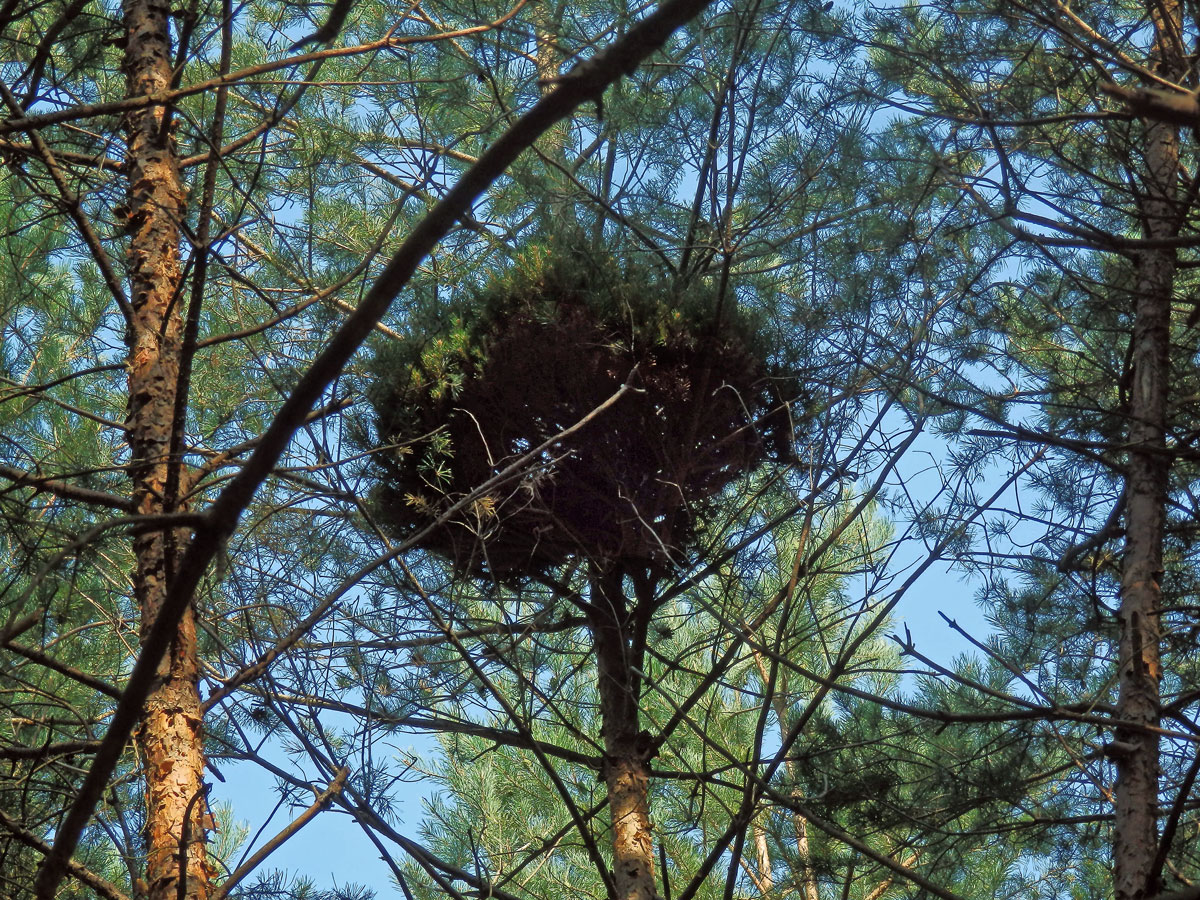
column 34, row 123
column 135, row 523
column 587, row 81
column 325, row 293
column 74, row 208
column 438, row 868
column 259, row 666
column 25, row 390
column 518, row 630
column 362, row 812
column 18, row 625
column 49, row 662
column 66, row 748
column 74, row 869
column 1187, row 893
column 215, row 460
column 66, row 489
column 522, row 739
column 68, row 156
column 322, row 801
column 1173, row 107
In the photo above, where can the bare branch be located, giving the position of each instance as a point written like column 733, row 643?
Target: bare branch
column 587, row 81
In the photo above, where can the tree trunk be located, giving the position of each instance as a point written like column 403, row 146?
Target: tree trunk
column 169, row 736
column 1136, row 751
column 627, row 749
column 805, row 874
column 762, row 853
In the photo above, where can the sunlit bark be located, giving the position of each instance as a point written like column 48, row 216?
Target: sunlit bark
column 169, row 735
column 627, row 749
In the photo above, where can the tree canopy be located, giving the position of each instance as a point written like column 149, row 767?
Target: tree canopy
column 557, row 411
column 698, row 398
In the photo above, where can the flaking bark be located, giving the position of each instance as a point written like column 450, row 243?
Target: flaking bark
column 627, row 749
column 1135, row 832
column 169, row 734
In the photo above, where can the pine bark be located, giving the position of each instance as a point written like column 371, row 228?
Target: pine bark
column 169, row 736
column 1136, row 750
column 627, row 749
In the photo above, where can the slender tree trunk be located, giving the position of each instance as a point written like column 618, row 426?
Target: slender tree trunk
column 169, row 736
column 627, row 749
column 805, row 874
column 1136, row 750
column 762, row 860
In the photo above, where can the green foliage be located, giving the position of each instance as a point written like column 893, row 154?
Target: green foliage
column 792, row 204
column 952, row 797
column 704, row 400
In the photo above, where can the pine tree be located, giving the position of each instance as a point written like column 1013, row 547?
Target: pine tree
column 163, row 183
column 1034, row 112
